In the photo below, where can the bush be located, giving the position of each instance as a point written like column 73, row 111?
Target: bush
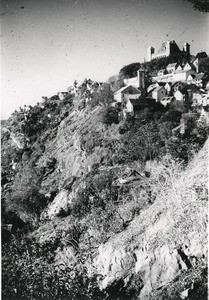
column 110, row 116
column 140, row 143
column 130, row 71
column 183, row 146
column 25, row 190
column 28, row 272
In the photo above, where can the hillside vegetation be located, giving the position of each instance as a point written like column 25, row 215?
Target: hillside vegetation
column 95, row 206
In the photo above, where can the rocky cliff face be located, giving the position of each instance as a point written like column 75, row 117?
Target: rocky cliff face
column 166, row 240
column 133, row 236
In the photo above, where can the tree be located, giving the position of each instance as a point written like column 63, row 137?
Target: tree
column 103, row 96
column 204, row 65
column 140, row 143
column 201, row 5
column 25, row 191
column 110, row 115
column 183, row 145
column 130, row 71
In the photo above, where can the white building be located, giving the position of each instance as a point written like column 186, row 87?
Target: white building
column 126, row 93
column 138, row 81
column 179, row 96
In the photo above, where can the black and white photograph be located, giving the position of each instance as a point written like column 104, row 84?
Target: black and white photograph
column 104, row 149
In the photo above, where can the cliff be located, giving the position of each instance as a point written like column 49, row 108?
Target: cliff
column 102, row 207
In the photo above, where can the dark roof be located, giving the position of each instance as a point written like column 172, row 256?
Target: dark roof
column 161, row 83
column 193, row 88
column 199, row 76
column 158, row 88
column 192, row 75
column 135, row 101
column 178, row 83
column 183, row 91
column 162, row 71
column 150, row 92
column 202, row 54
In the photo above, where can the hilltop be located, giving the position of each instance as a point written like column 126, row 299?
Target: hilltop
column 98, row 206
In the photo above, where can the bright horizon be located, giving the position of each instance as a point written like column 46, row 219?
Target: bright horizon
column 46, row 45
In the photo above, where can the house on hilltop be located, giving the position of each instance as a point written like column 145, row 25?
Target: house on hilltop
column 135, row 105
column 132, row 106
column 197, row 79
column 171, row 68
column 181, row 95
column 125, row 93
column 158, row 93
column 162, row 72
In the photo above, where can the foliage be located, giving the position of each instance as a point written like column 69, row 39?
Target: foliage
column 116, row 82
column 204, row 65
column 91, row 140
column 201, row 5
column 140, row 143
column 97, row 192
column 130, row 71
column 102, row 96
column 110, row 115
column 25, row 190
column 197, row 290
column 153, row 66
column 183, row 145
column 27, row 274
column 126, row 124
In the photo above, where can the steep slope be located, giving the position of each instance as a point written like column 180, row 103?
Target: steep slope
column 99, row 206
column 168, row 238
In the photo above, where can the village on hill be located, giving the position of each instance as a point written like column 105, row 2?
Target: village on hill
column 177, row 83
column 180, row 84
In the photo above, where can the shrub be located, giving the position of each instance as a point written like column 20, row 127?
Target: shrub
column 183, row 146
column 102, row 96
column 29, row 272
column 130, row 71
column 110, row 116
column 140, row 143
column 25, row 190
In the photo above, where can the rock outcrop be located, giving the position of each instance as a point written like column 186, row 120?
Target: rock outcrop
column 160, row 248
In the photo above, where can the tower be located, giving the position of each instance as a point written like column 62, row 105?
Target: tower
column 168, row 48
column 150, row 51
column 141, row 80
column 186, row 49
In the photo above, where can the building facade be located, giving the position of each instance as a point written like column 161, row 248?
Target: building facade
column 167, row 48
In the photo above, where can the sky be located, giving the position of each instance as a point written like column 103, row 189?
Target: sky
column 47, row 44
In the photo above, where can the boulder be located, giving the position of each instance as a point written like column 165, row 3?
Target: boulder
column 60, row 203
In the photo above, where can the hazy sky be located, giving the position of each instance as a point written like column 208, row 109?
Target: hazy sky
column 46, row 44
